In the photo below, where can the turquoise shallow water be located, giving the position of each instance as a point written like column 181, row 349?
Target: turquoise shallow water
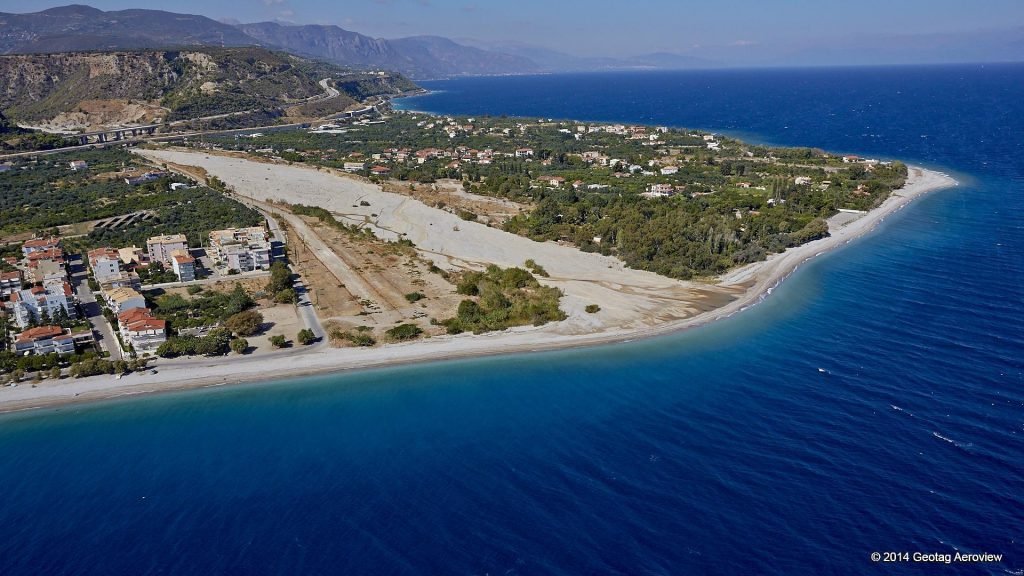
column 722, row 450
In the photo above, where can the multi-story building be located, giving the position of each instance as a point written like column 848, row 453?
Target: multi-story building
column 105, row 264
column 161, row 247
column 44, row 340
column 184, row 266
column 10, row 282
column 122, row 299
column 141, row 330
column 40, row 244
column 46, row 271
column 243, row 249
column 32, row 304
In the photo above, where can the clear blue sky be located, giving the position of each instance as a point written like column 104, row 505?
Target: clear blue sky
column 602, row 27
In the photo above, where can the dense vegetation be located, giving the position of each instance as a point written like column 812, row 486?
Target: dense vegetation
column 720, row 203
column 216, row 342
column 46, row 193
column 229, row 312
column 502, row 298
column 205, row 309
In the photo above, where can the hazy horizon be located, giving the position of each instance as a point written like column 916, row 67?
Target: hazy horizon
column 744, row 33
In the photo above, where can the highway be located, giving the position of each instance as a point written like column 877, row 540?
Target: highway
column 329, row 93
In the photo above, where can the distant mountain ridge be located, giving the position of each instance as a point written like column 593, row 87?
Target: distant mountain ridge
column 78, row 28
column 83, row 28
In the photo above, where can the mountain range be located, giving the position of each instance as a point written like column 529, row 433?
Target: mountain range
column 83, row 28
column 77, row 28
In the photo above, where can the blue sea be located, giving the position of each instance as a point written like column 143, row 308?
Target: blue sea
column 722, row 450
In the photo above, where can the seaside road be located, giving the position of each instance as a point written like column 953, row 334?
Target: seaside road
column 93, row 312
column 285, row 355
column 306, row 311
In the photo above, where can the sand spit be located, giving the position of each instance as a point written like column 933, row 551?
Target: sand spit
column 634, row 304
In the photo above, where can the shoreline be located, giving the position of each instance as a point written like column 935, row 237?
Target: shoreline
column 757, row 280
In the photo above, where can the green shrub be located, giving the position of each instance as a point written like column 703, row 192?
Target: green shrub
column 536, row 268
column 404, row 332
column 305, row 337
column 593, row 308
column 239, row 345
column 286, row 296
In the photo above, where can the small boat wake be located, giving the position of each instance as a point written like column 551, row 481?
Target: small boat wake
column 961, row 445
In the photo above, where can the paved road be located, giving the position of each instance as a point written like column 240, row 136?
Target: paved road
column 306, row 310
column 100, row 327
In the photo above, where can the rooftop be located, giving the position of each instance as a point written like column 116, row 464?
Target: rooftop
column 40, row 333
column 167, row 239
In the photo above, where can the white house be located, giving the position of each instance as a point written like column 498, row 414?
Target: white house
column 10, row 282
column 30, row 304
column 242, row 249
column 141, row 330
column 659, row 191
column 105, row 264
column 44, row 340
column 184, row 266
column 34, row 245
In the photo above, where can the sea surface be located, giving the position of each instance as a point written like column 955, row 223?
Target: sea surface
column 873, row 403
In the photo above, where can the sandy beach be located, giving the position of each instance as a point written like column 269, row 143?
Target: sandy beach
column 634, row 304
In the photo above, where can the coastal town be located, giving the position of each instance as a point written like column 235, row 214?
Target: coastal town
column 56, row 304
column 355, row 236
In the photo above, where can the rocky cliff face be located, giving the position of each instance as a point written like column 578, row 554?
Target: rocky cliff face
column 74, row 90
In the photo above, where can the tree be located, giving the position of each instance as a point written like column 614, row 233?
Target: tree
column 306, row 337
column 216, row 343
column 238, row 300
column 286, row 296
column 280, row 277
column 55, row 373
column 278, row 341
column 239, row 345
column 245, row 323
